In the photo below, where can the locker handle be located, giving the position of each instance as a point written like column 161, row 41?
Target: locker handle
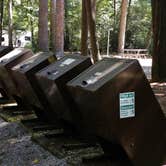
column 24, row 66
column 53, row 72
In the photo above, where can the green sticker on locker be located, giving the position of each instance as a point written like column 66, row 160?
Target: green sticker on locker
column 127, row 105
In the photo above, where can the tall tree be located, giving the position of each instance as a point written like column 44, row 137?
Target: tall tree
column 159, row 40
column 31, row 21
column 84, row 30
column 43, row 25
column 114, row 6
column 1, row 19
column 122, row 26
column 53, row 23
column 67, row 25
column 91, row 18
column 10, row 23
column 60, row 28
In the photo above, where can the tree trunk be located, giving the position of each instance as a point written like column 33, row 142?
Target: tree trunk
column 122, row 26
column 59, row 28
column 114, row 13
column 91, row 18
column 32, row 34
column 148, row 38
column 128, row 14
column 53, row 23
column 84, row 30
column 67, row 27
column 159, row 40
column 43, row 25
column 31, row 20
column 108, row 42
column 1, row 20
column 129, row 7
column 10, row 24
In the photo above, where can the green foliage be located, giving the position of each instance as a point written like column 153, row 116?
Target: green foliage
column 25, row 18
column 107, row 17
column 139, row 24
column 72, row 24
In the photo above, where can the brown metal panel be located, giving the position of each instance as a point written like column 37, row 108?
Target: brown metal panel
column 3, row 94
column 4, row 50
column 25, row 79
column 7, row 62
column 53, row 83
column 116, row 102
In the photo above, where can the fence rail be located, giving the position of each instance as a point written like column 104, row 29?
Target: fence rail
column 136, row 53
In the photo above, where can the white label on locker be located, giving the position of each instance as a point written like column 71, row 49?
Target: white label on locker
column 127, row 105
column 67, row 62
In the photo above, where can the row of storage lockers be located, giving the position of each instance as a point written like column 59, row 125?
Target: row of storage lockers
column 111, row 99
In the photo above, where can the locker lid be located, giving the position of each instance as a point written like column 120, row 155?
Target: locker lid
column 100, row 73
column 33, row 61
column 13, row 55
column 62, row 66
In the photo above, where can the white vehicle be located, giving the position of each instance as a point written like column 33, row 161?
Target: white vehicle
column 23, row 39
column 20, row 40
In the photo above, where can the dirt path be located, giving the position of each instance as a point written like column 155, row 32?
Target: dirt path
column 17, row 149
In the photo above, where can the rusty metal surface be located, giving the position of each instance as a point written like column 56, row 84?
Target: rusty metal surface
column 3, row 94
column 25, row 79
column 6, row 63
column 53, row 81
column 4, row 50
column 116, row 102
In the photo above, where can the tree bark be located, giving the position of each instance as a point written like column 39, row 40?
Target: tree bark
column 84, row 30
column 122, row 26
column 10, row 23
column 31, row 20
column 59, row 28
column 1, row 19
column 32, row 33
column 114, row 13
column 159, row 40
column 43, row 25
column 67, row 36
column 91, row 18
column 53, row 23
column 148, row 38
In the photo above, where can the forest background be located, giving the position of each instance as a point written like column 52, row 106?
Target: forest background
column 138, row 29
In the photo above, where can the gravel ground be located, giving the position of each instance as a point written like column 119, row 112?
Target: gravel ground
column 160, row 92
column 17, row 149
